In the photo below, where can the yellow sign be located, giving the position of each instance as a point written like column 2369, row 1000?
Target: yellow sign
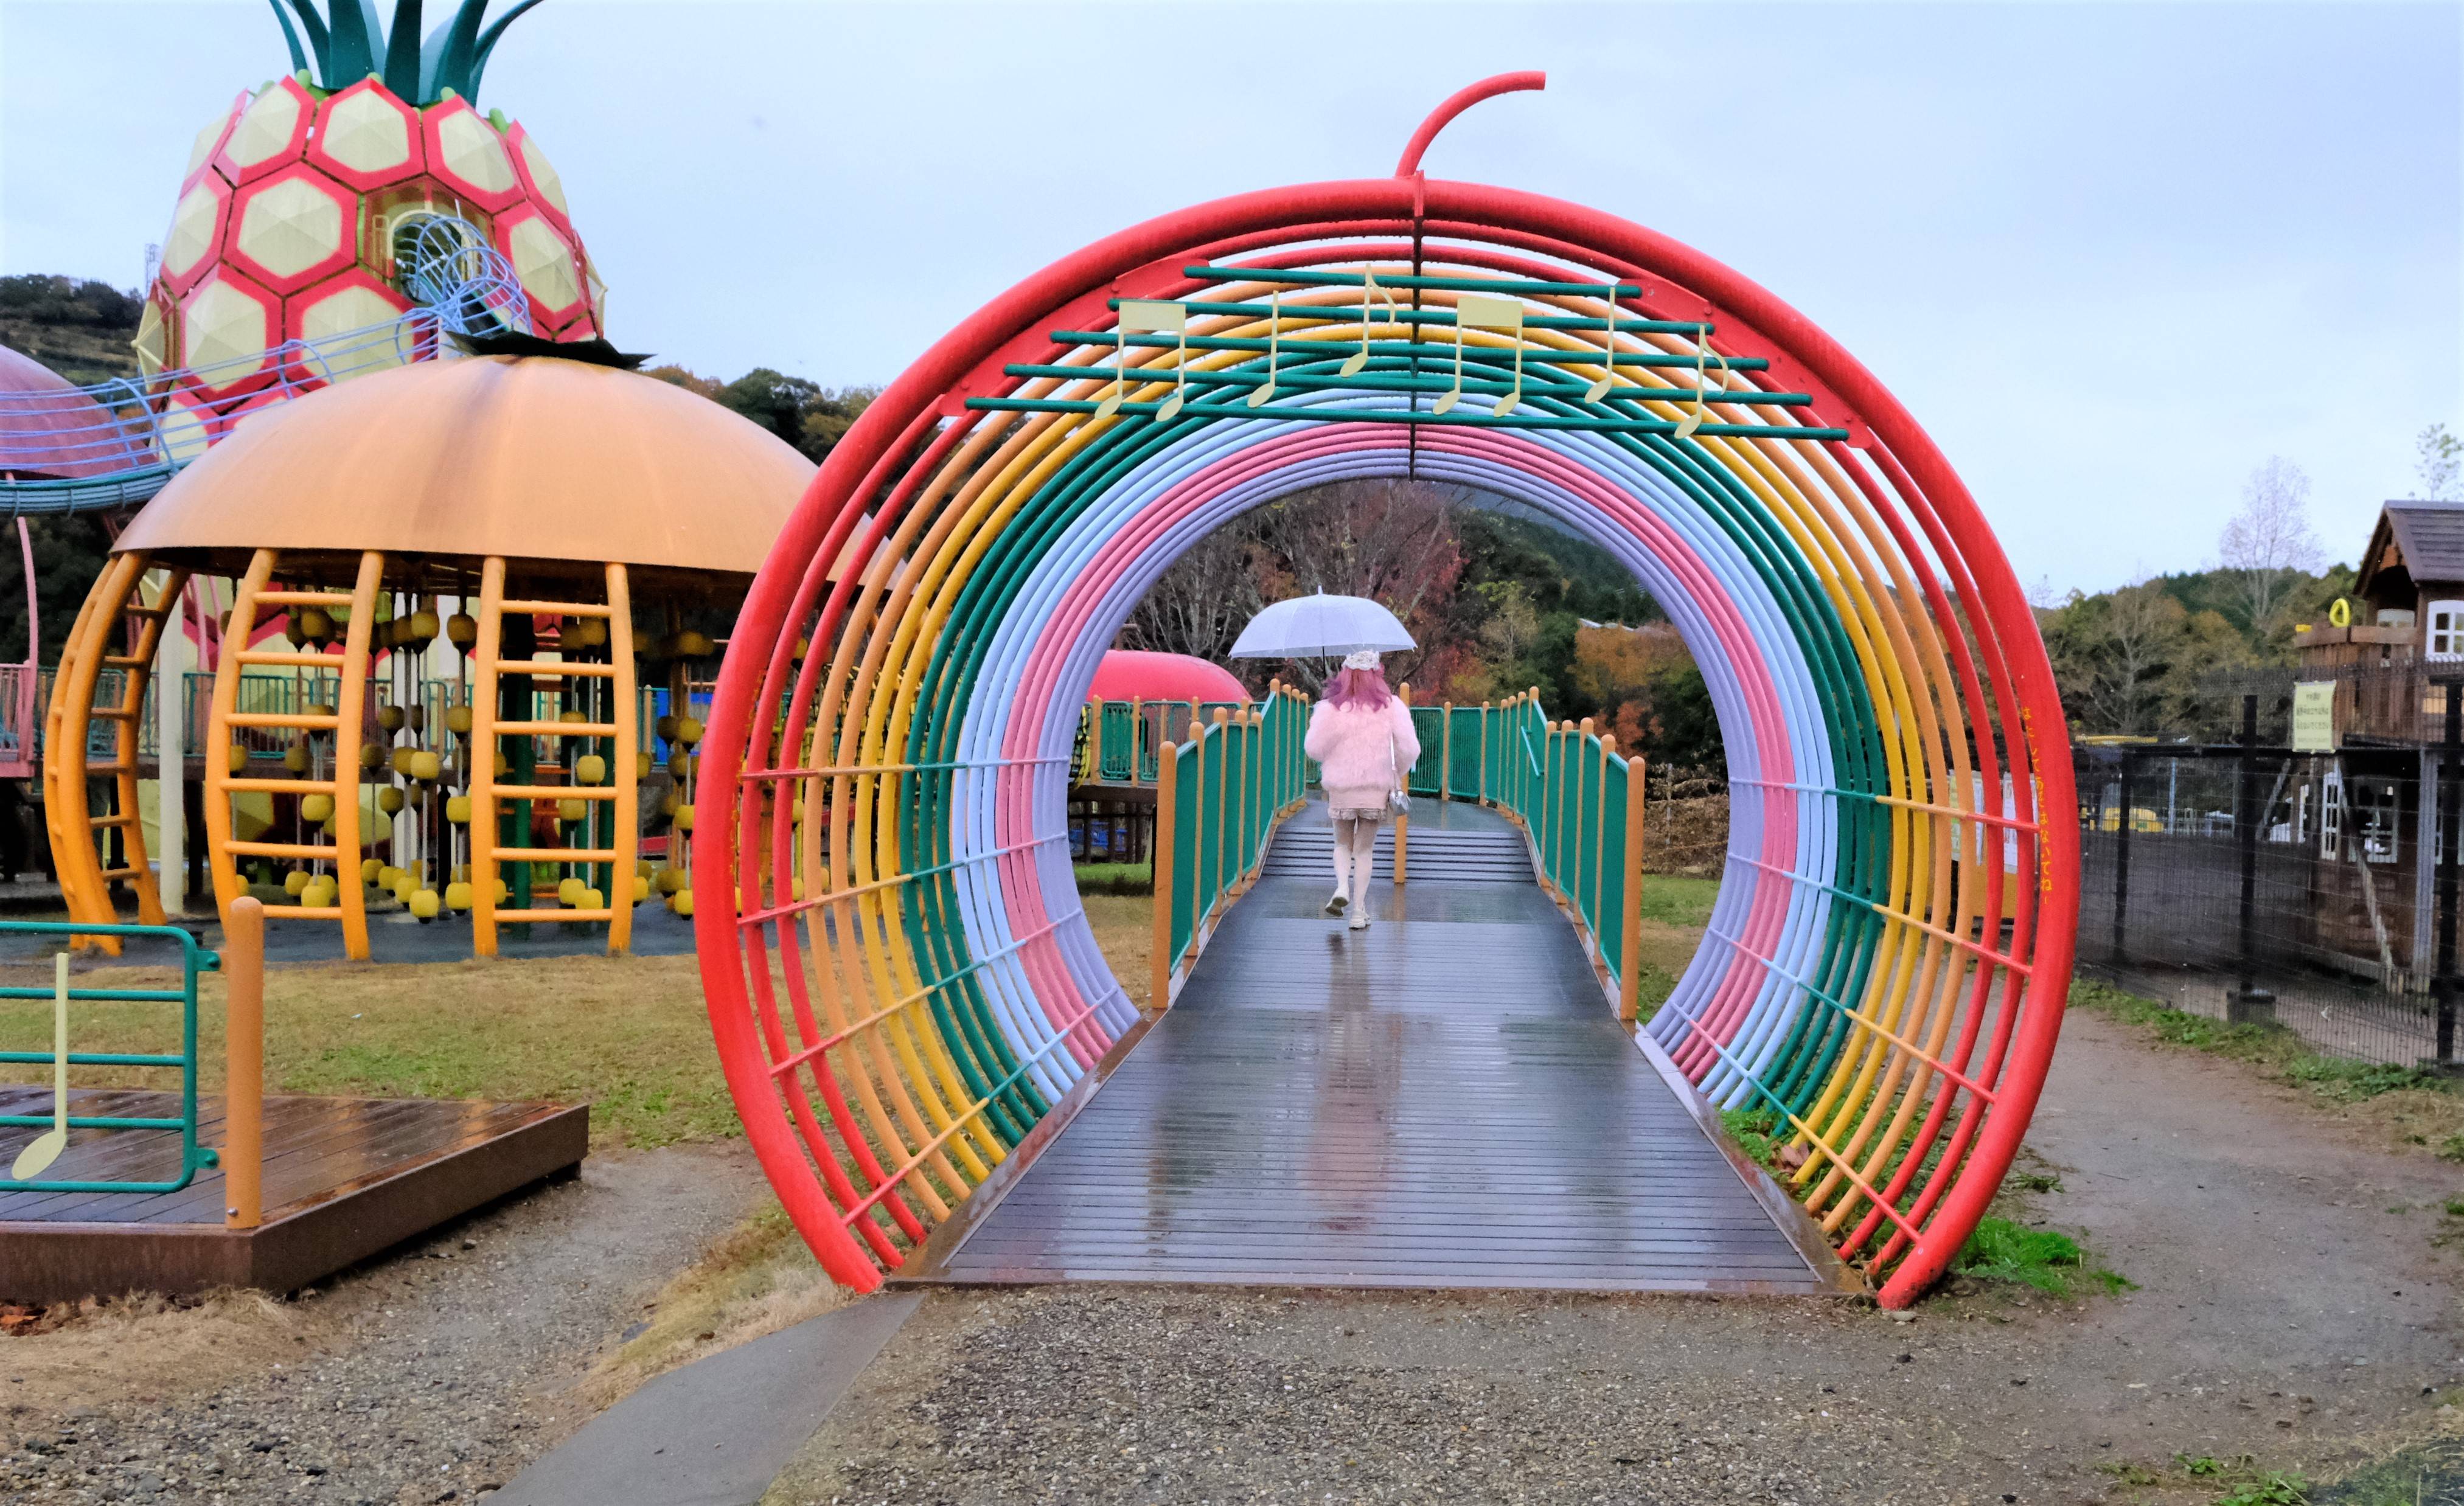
column 2314, row 716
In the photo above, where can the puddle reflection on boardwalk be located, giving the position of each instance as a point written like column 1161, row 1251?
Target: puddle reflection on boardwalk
column 1441, row 1100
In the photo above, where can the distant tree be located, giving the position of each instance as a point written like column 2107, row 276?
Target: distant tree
column 811, row 417
column 1203, row 601
column 2438, row 459
column 2269, row 540
column 2112, row 654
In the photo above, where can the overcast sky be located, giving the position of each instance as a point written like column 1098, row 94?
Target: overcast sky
column 2113, row 256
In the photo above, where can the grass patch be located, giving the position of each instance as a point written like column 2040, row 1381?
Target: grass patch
column 1756, row 1132
column 2279, row 1052
column 629, row 1036
column 1116, row 878
column 2043, row 1258
column 1675, row 900
column 755, row 1279
column 2275, row 1488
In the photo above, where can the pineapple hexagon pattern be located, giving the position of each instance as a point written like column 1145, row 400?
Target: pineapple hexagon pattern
column 353, row 300
column 368, row 138
column 466, row 154
column 539, row 175
column 228, row 323
column 269, row 132
column 190, row 246
column 544, row 261
column 209, row 141
column 282, row 229
column 294, row 228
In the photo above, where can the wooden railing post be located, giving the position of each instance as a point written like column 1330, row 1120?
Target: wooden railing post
column 1630, row 924
column 243, row 1152
column 1166, row 834
column 1095, row 741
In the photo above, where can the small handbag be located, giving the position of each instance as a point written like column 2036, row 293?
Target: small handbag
column 1399, row 800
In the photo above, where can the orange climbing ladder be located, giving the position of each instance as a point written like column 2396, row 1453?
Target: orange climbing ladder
column 80, row 838
column 345, row 722
column 490, row 798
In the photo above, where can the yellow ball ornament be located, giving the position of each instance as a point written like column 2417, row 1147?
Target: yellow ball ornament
column 370, row 870
column 295, row 756
column 570, row 891
column 426, row 765
column 296, row 880
column 404, row 887
column 457, row 720
column 371, row 754
column 235, row 758
column 689, row 731
column 458, row 897
column 462, row 629
column 457, row 810
column 666, row 727
column 572, row 811
column 641, row 766
column 317, row 807
column 314, row 624
column 423, row 628
column 424, row 904
column 571, row 717
column 391, row 718
column 669, row 803
column 683, row 903
column 400, row 760
column 590, row 769
column 389, row 800
column 641, row 888
column 684, row 818
column 671, row 879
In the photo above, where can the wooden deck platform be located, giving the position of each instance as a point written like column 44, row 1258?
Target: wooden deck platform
column 343, row 1179
column 1442, row 1100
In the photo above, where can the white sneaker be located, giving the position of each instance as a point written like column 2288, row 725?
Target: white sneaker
column 1340, row 904
column 1360, row 922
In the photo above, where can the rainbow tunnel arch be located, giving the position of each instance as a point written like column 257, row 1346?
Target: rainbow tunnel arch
column 901, row 985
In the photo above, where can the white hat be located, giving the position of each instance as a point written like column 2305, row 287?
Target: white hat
column 1366, row 659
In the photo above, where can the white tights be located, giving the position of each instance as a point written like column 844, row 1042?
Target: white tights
column 1355, row 855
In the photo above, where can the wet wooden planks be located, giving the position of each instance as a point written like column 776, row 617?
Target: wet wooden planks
column 343, row 1179
column 1442, row 1100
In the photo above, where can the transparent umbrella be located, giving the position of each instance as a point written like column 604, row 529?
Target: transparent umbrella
column 1321, row 627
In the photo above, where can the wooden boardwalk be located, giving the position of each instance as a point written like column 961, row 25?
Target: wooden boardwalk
column 1442, row 1100
column 343, row 1179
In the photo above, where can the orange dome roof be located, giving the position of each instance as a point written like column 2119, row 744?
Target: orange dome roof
column 529, row 457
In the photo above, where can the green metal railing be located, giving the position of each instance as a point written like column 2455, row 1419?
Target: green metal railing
column 193, row 961
column 1109, row 730
column 1219, row 799
column 1578, row 801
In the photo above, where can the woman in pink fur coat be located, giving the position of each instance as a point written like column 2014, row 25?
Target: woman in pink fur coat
column 1361, row 735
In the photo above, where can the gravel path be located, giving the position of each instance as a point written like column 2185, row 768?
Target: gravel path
column 430, row 1375
column 2293, row 1307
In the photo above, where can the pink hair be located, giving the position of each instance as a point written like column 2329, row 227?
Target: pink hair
column 1365, row 690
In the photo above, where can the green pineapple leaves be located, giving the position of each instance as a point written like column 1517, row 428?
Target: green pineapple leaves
column 349, row 42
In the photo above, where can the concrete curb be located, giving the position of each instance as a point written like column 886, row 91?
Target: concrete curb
column 717, row 1432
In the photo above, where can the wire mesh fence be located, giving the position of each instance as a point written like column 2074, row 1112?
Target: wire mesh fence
column 2314, row 892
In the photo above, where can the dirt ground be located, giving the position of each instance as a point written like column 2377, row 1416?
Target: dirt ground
column 431, row 1374
column 2297, row 1312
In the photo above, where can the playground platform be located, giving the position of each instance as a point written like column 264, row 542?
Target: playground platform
column 1441, row 1100
column 344, row 1178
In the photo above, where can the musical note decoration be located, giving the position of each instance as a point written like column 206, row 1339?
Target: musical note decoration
column 1478, row 310
column 1274, row 335
column 1148, row 317
column 1608, row 366
column 1369, row 291
column 36, row 1158
column 1703, row 355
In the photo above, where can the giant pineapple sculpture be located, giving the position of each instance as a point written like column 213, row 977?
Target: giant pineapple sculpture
column 301, row 204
